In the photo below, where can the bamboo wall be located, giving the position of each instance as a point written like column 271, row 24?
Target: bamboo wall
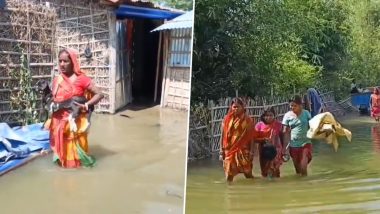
column 24, row 28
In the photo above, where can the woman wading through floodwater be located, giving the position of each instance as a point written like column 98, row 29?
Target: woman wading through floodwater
column 236, row 142
column 375, row 104
column 296, row 125
column 269, row 132
column 71, row 148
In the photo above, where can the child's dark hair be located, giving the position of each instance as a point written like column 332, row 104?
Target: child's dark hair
column 269, row 109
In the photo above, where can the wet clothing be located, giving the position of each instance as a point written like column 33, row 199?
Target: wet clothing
column 300, row 146
column 273, row 132
column 299, row 126
column 375, row 105
column 236, row 144
column 70, row 148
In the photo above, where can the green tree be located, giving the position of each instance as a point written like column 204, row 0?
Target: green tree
column 186, row 5
column 263, row 45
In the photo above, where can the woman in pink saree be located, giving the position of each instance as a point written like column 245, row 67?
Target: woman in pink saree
column 269, row 131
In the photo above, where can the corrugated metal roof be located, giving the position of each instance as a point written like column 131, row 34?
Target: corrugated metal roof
column 182, row 21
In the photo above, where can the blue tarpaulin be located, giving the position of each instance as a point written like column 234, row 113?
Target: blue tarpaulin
column 361, row 99
column 19, row 145
column 128, row 11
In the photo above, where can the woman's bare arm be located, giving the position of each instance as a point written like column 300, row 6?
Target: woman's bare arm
column 285, row 136
column 98, row 95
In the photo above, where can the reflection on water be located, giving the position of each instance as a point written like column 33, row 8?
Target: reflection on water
column 140, row 169
column 347, row 181
column 376, row 137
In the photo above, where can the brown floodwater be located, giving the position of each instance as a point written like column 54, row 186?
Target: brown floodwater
column 140, row 169
column 346, row 181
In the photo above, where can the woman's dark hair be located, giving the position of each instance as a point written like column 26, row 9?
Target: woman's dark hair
column 269, row 109
column 296, row 99
column 237, row 100
column 376, row 90
column 64, row 51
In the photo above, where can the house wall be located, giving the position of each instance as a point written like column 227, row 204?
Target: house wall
column 176, row 80
column 28, row 28
column 177, row 91
column 83, row 24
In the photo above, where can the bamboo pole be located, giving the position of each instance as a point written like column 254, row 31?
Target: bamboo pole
column 5, row 24
column 78, row 7
column 18, row 53
column 33, row 77
column 165, row 68
column 30, row 65
column 81, row 43
column 80, row 17
column 157, row 67
column 84, row 34
column 112, row 60
column 22, row 41
column 84, row 25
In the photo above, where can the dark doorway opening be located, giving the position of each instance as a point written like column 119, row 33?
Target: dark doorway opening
column 144, row 63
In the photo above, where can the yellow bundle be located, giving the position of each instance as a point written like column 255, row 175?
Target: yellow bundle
column 323, row 126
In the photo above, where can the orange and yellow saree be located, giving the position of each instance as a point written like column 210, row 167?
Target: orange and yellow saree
column 70, row 148
column 236, row 144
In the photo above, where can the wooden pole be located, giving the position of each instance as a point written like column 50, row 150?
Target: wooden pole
column 158, row 66
column 113, row 60
column 165, row 68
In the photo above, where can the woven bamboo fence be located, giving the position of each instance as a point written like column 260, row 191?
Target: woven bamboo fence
column 26, row 46
column 330, row 105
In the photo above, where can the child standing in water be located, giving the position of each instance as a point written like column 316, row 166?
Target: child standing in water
column 296, row 125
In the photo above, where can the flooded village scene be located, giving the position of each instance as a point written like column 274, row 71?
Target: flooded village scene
column 284, row 114
column 94, row 102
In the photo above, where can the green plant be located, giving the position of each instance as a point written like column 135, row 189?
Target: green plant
column 23, row 98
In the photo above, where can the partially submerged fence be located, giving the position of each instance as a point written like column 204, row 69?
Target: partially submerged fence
column 205, row 121
column 331, row 105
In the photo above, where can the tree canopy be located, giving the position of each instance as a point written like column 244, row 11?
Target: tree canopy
column 263, row 46
column 186, row 5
